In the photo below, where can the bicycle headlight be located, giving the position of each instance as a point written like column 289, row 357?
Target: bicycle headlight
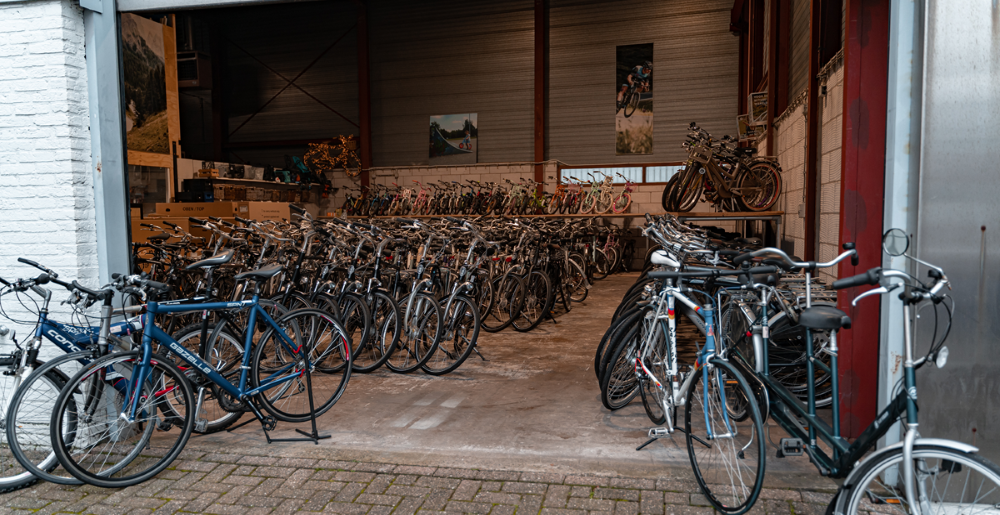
column 941, row 359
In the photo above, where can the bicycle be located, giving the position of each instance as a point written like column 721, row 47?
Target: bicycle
column 291, row 348
column 630, row 101
column 917, row 475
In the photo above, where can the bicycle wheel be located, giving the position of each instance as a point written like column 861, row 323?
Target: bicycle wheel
column 604, row 202
column 419, row 333
column 689, row 188
column 631, row 102
column 622, row 202
column 588, row 203
column 760, row 185
column 460, row 334
column 224, row 351
column 384, row 335
column 668, row 191
column 356, row 319
column 601, row 265
column 105, row 449
column 655, row 397
column 536, row 300
column 27, row 454
column 578, row 278
column 275, row 359
column 504, row 300
column 619, row 383
column 945, row 481
column 727, row 456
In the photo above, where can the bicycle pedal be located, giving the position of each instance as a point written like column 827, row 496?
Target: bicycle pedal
column 268, row 423
column 789, row 447
column 200, row 425
column 164, row 425
column 659, row 432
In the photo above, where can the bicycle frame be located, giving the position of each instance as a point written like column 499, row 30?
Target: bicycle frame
column 152, row 332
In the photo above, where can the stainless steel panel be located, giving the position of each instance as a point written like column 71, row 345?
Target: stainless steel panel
column 959, row 189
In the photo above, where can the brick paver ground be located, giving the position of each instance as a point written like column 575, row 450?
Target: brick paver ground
column 255, row 485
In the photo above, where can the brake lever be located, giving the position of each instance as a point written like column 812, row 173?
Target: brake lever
column 874, row 291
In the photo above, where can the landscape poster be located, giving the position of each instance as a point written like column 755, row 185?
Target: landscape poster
column 634, row 100
column 144, row 67
column 454, row 137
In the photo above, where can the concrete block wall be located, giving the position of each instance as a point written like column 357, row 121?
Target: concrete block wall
column 831, row 113
column 790, row 148
column 47, row 209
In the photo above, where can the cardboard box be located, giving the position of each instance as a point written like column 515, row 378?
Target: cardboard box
column 141, row 234
column 268, row 211
column 136, row 212
column 197, row 209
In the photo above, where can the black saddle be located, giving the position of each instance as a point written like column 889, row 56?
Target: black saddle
column 824, row 318
column 214, row 261
column 159, row 238
column 261, row 274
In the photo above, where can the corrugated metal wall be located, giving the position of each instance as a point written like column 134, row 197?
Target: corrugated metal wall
column 445, row 57
column 798, row 59
column 287, row 38
column 695, row 75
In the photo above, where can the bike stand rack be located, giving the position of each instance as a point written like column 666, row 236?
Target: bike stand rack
column 313, row 436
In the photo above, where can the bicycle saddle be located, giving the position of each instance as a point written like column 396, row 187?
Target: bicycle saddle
column 159, row 238
column 216, row 260
column 260, row 274
column 824, row 317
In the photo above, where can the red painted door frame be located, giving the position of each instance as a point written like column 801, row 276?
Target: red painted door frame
column 866, row 75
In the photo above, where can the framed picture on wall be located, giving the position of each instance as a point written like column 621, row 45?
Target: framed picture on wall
column 634, row 100
column 454, row 138
column 758, row 107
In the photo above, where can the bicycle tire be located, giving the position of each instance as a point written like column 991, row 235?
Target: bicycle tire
column 632, row 101
column 162, row 369
column 765, row 176
column 506, row 291
column 384, row 337
column 654, row 397
column 457, row 339
column 601, row 265
column 619, row 384
column 731, row 499
column 224, row 352
column 420, row 333
column 935, row 462
column 326, row 341
column 534, row 303
column 578, row 278
column 689, row 189
column 32, row 449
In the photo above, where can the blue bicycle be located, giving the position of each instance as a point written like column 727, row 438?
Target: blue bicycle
column 132, row 439
column 29, row 387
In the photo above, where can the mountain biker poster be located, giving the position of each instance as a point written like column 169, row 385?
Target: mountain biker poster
column 634, row 99
column 454, row 138
column 144, row 60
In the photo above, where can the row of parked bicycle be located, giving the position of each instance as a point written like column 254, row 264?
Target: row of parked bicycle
column 524, row 197
column 268, row 318
column 719, row 335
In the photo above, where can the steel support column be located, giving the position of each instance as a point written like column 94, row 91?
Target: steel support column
column 364, row 95
column 541, row 40
column 107, row 139
column 866, row 60
column 813, row 121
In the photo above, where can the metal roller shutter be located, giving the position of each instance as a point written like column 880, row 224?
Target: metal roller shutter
column 695, row 75
column 798, row 65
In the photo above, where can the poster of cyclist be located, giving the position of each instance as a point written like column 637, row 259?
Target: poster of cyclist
column 634, row 100
column 455, row 137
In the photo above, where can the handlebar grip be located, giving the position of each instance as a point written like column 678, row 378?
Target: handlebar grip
column 366, row 226
column 869, row 277
column 763, row 269
column 227, row 224
column 215, row 219
column 4, row 282
column 29, row 262
column 243, row 220
column 854, row 259
column 42, row 279
column 738, row 260
column 146, row 225
column 170, row 224
column 297, row 209
column 198, row 221
column 99, row 295
column 116, row 276
column 453, row 219
column 322, row 232
column 407, row 220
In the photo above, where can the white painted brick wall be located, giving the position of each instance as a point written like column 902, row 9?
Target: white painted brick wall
column 46, row 185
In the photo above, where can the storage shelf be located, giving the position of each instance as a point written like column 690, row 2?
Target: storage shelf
column 259, row 183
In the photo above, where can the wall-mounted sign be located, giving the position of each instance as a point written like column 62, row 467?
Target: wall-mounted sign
column 746, row 131
column 757, row 103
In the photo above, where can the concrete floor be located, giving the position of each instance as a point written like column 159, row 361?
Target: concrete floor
column 534, row 406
